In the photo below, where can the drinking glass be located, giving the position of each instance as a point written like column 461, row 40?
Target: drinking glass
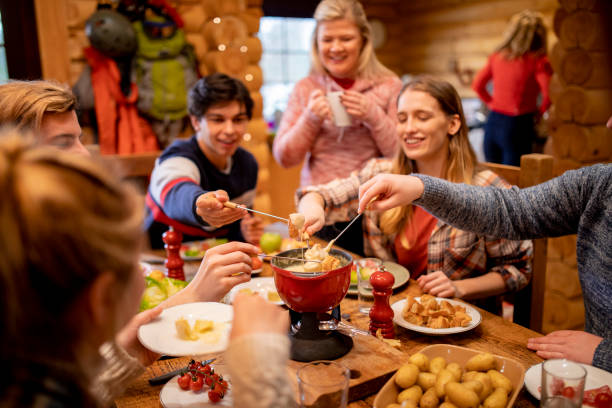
column 324, row 384
column 562, row 384
column 365, row 268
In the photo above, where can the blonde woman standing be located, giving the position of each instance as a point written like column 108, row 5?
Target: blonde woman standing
column 448, row 262
column 520, row 72
column 343, row 59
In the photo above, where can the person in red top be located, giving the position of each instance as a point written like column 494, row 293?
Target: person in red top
column 445, row 261
column 520, row 72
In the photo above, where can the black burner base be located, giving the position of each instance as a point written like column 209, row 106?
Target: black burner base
column 308, row 343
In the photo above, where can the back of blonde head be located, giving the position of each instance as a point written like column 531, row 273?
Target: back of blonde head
column 24, row 103
column 65, row 220
column 525, row 33
column 328, row 10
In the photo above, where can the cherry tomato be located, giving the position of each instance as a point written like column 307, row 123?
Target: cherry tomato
column 218, row 388
column 184, row 380
column 224, row 384
column 603, row 400
column 568, row 392
column 208, row 379
column 206, row 368
column 196, row 383
column 213, row 396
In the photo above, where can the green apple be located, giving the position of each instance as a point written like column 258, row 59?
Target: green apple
column 353, row 276
column 270, row 242
column 366, row 272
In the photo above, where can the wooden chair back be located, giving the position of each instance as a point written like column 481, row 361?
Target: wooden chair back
column 529, row 302
column 136, row 168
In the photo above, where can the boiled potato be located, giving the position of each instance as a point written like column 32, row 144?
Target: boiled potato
column 481, row 362
column 469, row 376
column 436, row 364
column 447, row 405
column 498, row 399
column 474, row 385
column 407, row 375
column 487, row 387
column 444, row 377
column 461, row 396
column 413, row 393
column 498, row 380
column 426, row 380
column 429, row 399
column 394, row 406
column 420, row 360
column 456, row 370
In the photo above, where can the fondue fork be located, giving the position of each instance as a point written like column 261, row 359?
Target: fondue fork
column 229, row 204
column 329, row 245
column 287, row 257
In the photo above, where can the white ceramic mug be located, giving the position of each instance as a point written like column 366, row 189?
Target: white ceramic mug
column 339, row 113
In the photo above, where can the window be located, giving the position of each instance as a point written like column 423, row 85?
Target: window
column 285, row 60
column 3, row 69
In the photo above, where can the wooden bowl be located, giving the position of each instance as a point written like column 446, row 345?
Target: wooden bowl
column 455, row 354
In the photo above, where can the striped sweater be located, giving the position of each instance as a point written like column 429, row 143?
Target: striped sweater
column 329, row 151
column 578, row 202
column 183, row 173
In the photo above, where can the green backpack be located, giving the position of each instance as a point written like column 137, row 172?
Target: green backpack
column 164, row 70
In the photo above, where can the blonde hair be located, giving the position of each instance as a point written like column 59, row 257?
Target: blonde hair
column 526, row 32
column 65, row 220
column 368, row 65
column 24, row 103
column 461, row 161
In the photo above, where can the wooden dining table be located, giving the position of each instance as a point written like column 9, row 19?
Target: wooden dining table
column 494, row 334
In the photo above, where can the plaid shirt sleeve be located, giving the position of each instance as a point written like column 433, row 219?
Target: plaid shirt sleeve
column 466, row 254
column 341, row 196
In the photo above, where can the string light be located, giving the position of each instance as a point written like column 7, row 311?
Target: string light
column 246, row 137
column 217, row 20
column 244, row 48
column 221, row 47
column 248, row 77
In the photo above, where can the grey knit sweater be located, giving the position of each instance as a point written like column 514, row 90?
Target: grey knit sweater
column 578, row 202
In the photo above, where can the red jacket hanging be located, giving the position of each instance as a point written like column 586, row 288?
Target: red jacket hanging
column 120, row 128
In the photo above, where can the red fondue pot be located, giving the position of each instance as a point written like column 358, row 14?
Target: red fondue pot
column 308, row 296
column 319, row 293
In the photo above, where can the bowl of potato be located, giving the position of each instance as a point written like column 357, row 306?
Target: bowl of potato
column 447, row 376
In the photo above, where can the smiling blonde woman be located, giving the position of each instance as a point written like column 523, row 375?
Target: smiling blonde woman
column 343, row 60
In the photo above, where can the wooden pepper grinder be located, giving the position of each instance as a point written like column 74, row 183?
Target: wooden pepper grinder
column 381, row 314
column 174, row 263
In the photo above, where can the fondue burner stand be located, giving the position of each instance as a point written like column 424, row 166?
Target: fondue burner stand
column 309, row 343
column 308, row 298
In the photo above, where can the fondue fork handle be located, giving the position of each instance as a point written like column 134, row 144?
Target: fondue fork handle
column 229, row 204
column 287, row 257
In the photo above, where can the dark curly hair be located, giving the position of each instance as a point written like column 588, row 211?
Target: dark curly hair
column 217, row 88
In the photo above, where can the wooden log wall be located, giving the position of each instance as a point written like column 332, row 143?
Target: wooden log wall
column 446, row 36
column 581, row 92
column 221, row 31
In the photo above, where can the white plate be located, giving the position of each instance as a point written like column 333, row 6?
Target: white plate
column 173, row 396
column 160, row 334
column 400, row 274
column 259, row 285
column 596, row 377
column 399, row 320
